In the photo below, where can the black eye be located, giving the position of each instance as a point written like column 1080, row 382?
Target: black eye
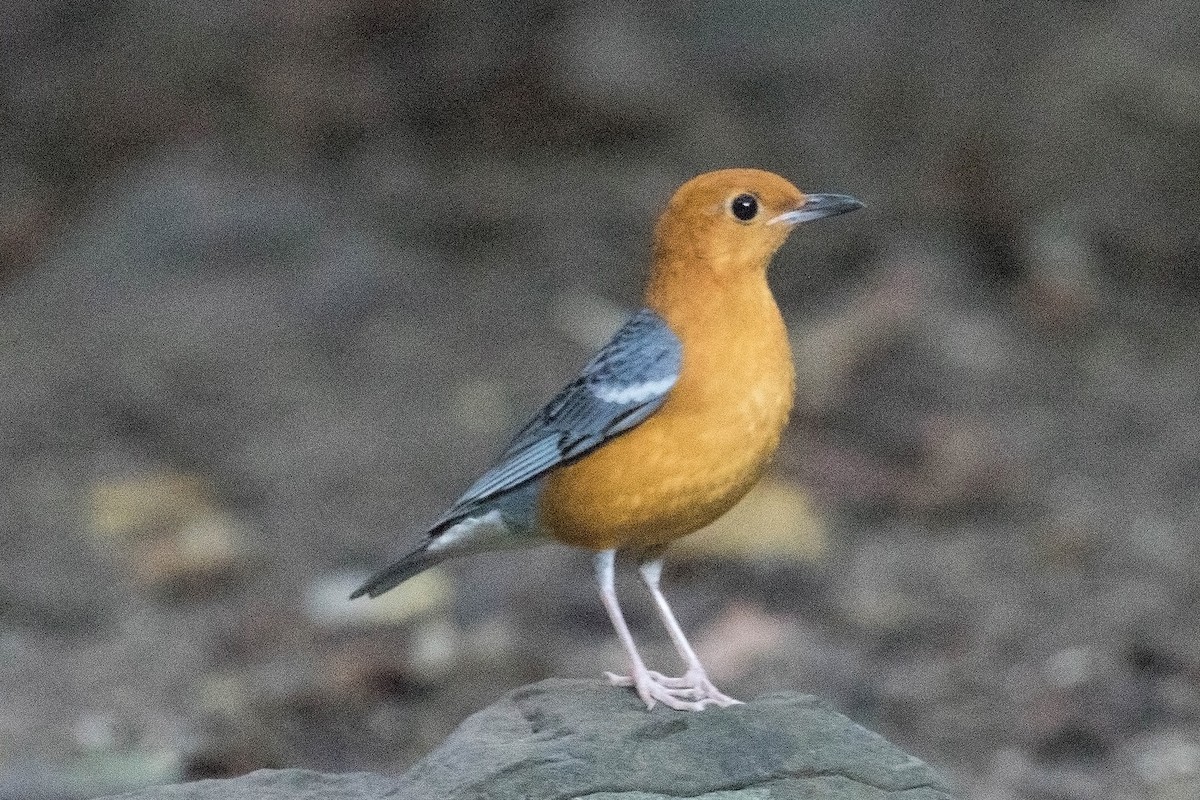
column 744, row 207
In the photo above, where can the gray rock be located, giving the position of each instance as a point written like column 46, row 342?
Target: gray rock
column 276, row 784
column 571, row 739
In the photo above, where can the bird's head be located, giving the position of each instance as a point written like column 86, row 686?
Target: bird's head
column 732, row 221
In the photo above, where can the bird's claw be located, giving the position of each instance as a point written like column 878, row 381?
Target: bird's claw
column 691, row 692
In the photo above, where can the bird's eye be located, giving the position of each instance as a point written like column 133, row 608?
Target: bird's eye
column 744, row 207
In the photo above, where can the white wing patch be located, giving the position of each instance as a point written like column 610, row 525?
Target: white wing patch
column 471, row 533
column 632, row 393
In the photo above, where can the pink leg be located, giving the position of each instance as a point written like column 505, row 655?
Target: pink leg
column 695, row 677
column 651, row 686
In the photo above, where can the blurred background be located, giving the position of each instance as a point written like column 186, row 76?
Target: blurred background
column 278, row 278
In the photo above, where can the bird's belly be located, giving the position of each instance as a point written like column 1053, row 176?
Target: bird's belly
column 670, row 476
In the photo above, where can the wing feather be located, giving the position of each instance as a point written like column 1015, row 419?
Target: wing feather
column 618, row 389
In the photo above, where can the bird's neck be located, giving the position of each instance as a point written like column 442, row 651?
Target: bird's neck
column 702, row 303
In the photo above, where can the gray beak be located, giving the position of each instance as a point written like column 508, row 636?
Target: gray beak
column 819, row 206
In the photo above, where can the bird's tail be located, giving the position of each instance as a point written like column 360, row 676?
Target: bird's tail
column 398, row 572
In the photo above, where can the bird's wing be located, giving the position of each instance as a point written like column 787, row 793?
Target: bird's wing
column 623, row 385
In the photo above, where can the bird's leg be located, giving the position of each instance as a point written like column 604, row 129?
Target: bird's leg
column 651, row 686
column 695, row 678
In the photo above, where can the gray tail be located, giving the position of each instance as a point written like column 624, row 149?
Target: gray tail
column 397, row 573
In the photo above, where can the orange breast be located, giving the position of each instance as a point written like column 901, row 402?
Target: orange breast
column 695, row 457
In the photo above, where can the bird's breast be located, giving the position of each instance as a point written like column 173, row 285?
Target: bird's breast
column 695, row 457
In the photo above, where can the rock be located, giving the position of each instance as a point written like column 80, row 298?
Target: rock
column 574, row 738
column 327, row 600
column 170, row 530
column 277, row 784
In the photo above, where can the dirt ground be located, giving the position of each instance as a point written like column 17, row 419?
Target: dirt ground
column 277, row 282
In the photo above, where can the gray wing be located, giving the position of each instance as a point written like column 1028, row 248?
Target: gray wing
column 623, row 385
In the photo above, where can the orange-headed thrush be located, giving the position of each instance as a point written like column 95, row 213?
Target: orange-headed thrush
column 667, row 427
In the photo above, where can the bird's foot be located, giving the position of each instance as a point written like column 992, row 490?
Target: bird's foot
column 704, row 687
column 691, row 692
column 655, row 688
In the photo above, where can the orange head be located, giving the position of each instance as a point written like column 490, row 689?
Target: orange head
column 732, row 221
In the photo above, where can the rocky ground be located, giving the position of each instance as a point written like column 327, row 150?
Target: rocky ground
column 568, row 739
column 270, row 299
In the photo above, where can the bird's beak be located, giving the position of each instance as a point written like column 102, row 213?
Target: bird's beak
column 819, row 206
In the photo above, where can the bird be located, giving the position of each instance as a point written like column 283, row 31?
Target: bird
column 665, row 429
